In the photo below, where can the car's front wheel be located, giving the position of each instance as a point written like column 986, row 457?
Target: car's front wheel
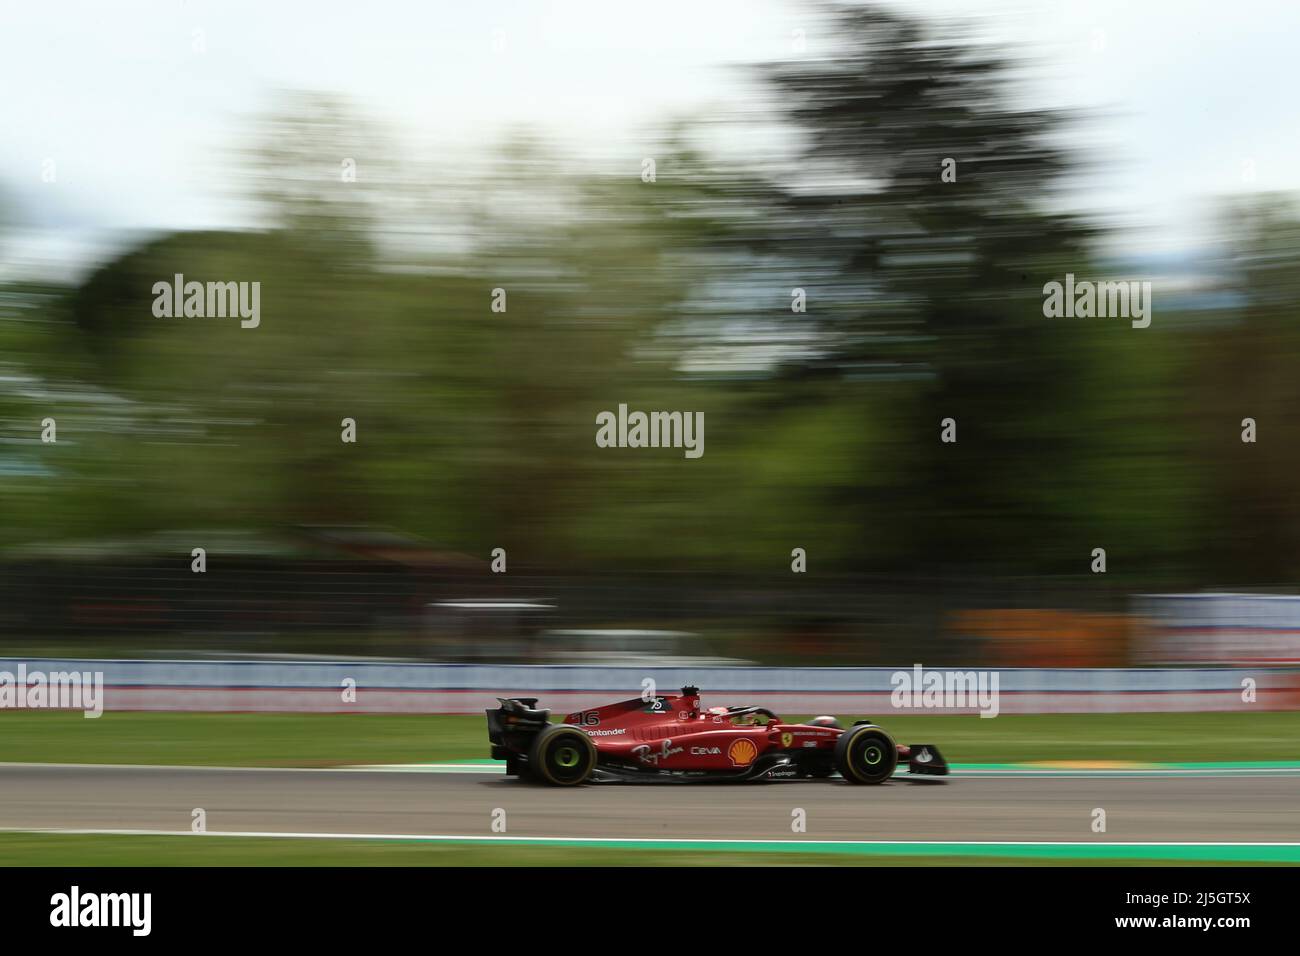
column 562, row 756
column 866, row 754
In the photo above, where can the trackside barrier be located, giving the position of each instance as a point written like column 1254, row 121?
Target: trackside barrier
column 362, row 687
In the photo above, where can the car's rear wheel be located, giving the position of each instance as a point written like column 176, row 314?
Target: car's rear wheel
column 562, row 756
column 866, row 754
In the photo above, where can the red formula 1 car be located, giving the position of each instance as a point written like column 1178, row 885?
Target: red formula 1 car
column 671, row 739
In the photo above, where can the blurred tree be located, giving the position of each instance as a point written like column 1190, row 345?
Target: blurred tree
column 925, row 295
column 1248, row 366
column 476, row 428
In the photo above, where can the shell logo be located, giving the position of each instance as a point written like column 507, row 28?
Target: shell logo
column 742, row 752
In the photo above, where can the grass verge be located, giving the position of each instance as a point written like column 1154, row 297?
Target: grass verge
column 322, row 740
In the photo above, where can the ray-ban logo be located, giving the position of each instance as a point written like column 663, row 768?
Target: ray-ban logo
column 210, row 300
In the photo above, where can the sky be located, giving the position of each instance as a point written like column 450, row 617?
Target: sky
column 140, row 105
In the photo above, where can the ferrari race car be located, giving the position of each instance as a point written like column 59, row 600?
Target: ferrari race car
column 671, row 739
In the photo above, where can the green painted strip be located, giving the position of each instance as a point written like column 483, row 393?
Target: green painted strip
column 1036, row 769
column 1204, row 852
column 1129, row 766
column 1208, row 852
column 1240, row 765
column 1044, row 765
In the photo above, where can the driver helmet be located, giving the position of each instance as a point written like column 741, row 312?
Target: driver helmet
column 824, row 721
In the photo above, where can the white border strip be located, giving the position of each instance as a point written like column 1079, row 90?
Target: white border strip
column 506, row 838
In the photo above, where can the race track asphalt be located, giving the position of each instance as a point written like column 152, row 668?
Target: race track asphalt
column 1191, row 809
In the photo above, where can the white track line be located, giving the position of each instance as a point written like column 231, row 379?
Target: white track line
column 499, row 770
column 378, row 768
column 506, row 838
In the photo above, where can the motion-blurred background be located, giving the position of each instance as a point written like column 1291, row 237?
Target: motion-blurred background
column 381, row 172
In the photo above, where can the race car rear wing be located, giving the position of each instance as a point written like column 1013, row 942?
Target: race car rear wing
column 513, row 725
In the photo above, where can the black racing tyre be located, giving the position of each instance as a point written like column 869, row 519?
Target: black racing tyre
column 865, row 754
column 562, row 756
